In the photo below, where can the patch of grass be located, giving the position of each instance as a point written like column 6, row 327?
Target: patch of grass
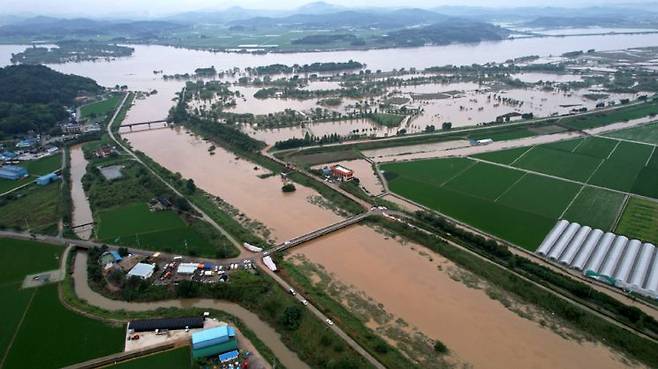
column 558, row 163
column 596, row 147
column 35, row 207
column 566, row 145
column 647, row 134
column 646, row 183
column 520, row 227
column 504, row 156
column 173, row 359
column 628, row 153
column 433, row 172
column 596, row 208
column 640, row 220
column 100, row 108
column 539, row 195
column 484, row 180
column 50, row 331
column 387, row 120
column 136, row 225
column 45, row 165
column 614, row 116
column 8, row 184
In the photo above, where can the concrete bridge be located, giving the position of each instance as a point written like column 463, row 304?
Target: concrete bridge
column 131, row 125
column 322, row 231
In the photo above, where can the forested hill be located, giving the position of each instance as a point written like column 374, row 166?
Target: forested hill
column 446, row 32
column 32, row 98
column 40, row 84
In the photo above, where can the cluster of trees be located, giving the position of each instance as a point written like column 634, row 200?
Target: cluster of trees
column 306, row 68
column 442, row 33
column 323, row 39
column 70, row 51
column 32, row 97
column 308, row 140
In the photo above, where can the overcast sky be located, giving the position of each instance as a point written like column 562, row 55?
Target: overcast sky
column 159, row 7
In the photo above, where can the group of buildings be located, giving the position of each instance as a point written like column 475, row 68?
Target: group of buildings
column 627, row 264
column 165, row 271
column 26, row 150
column 338, row 172
column 211, row 342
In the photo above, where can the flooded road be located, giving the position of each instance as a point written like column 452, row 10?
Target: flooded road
column 264, row 332
column 236, row 181
column 81, row 211
column 424, row 290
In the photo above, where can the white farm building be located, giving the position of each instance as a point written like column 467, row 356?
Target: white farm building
column 627, row 264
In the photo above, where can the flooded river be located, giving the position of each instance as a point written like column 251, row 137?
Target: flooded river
column 81, row 210
column 236, row 181
column 420, row 287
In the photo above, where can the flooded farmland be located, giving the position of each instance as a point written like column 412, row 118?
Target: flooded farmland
column 434, row 296
column 81, row 209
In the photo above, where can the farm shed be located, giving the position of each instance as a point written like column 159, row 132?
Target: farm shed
column 563, row 241
column 596, row 262
column 575, row 245
column 614, row 256
column 146, row 325
column 12, row 172
column 142, row 270
column 585, row 252
column 623, row 273
column 187, row 268
column 645, row 256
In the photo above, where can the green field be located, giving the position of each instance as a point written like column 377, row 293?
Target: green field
column 596, row 208
column 647, row 134
column 520, row 206
column 173, row 359
column 387, row 120
column 35, row 207
column 45, row 332
column 511, row 134
column 100, row 108
column 503, row 156
column 515, row 220
column 136, row 225
column 640, row 220
column 558, row 163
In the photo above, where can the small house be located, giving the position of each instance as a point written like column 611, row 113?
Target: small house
column 341, row 172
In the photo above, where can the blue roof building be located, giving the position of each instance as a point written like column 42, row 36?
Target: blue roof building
column 228, row 356
column 212, row 336
column 28, row 142
column 116, row 256
column 8, row 155
column 47, row 179
column 12, row 172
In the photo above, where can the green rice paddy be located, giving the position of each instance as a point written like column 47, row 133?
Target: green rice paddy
column 518, row 194
column 647, row 134
column 136, row 225
column 36, row 331
column 640, row 220
column 173, row 359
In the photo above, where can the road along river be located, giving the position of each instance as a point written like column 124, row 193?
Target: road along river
column 264, row 332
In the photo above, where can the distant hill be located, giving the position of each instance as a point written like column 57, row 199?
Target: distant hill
column 58, row 28
column 349, row 18
column 449, row 31
column 600, row 21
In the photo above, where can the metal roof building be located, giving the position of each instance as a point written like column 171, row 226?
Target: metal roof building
column 12, row 172
column 613, row 259
column 146, row 325
column 585, row 252
column 187, row 268
column 142, row 270
column 642, row 267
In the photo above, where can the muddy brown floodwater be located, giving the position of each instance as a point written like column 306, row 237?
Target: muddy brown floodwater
column 416, row 287
column 236, row 181
column 81, row 210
